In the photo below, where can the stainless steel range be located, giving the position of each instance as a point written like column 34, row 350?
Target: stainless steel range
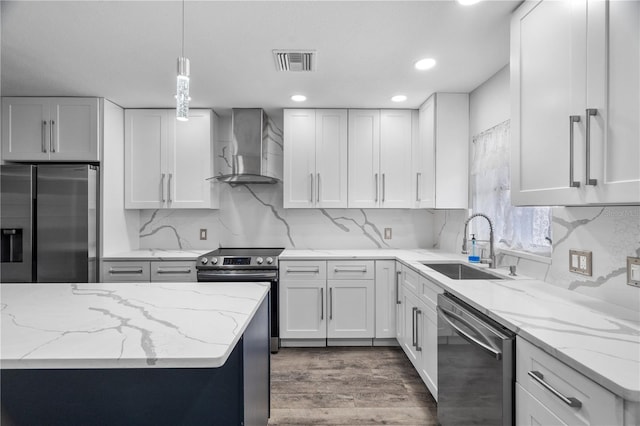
column 245, row 265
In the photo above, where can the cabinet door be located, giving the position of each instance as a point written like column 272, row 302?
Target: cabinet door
column 299, row 158
column 75, row 129
column 26, row 129
column 351, row 308
column 145, row 179
column 423, row 156
column 409, row 313
column 400, row 326
column 331, row 158
column 303, row 313
column 427, row 332
column 613, row 89
column 548, row 52
column 189, row 161
column 396, row 134
column 364, row 158
column 387, row 283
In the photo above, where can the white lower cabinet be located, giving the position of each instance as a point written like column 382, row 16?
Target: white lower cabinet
column 386, row 289
column 322, row 300
column 419, row 335
column 550, row 392
column 148, row 271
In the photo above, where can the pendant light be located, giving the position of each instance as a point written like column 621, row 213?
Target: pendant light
column 182, row 81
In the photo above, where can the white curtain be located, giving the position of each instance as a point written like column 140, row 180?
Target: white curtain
column 518, row 228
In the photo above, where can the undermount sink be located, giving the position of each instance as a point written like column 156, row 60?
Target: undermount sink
column 461, row 271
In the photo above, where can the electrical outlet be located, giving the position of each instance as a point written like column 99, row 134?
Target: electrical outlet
column 580, row 262
column 203, row 234
column 387, row 233
column 633, row 271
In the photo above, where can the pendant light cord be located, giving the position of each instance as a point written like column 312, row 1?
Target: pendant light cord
column 182, row 28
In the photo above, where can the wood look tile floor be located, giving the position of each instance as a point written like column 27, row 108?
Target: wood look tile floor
column 348, row 386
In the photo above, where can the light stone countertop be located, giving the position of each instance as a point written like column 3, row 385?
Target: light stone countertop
column 124, row 325
column 157, row 254
column 599, row 339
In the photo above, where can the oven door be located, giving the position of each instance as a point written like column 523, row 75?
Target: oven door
column 270, row 276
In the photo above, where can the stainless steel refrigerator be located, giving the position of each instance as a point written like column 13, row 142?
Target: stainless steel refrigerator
column 49, row 223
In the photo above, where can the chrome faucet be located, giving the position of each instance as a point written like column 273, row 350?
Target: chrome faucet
column 492, row 254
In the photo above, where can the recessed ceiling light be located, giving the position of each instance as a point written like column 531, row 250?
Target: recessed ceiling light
column 399, row 98
column 468, row 2
column 298, row 98
column 425, row 64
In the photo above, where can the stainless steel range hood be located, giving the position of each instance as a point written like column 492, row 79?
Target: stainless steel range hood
column 254, row 149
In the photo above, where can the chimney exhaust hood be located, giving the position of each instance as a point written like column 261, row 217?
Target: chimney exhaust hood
column 254, row 147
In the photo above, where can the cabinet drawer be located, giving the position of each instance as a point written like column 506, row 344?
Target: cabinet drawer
column 303, row 270
column 125, row 271
column 595, row 405
column 350, row 270
column 175, row 271
column 410, row 279
column 429, row 292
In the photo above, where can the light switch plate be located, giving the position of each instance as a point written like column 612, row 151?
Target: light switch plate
column 387, row 233
column 633, row 271
column 580, row 262
column 203, row 234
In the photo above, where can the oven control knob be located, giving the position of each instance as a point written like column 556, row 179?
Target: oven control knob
column 259, row 260
column 204, row 260
column 214, row 260
column 269, row 260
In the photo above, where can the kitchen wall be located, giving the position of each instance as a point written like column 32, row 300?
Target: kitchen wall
column 611, row 233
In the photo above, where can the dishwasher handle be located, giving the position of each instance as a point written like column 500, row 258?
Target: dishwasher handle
column 487, row 347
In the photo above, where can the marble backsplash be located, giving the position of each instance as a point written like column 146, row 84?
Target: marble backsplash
column 252, row 215
column 611, row 233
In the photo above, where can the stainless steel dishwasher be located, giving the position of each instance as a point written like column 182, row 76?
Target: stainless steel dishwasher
column 476, row 366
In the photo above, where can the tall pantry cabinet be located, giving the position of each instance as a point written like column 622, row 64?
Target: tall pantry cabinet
column 575, row 103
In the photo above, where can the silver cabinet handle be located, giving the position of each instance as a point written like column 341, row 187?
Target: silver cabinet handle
column 330, row 303
column 590, row 113
column 318, row 189
column 486, row 346
column 115, row 271
column 398, row 301
column 173, row 271
column 313, row 270
column 311, row 188
column 162, row 188
column 52, row 143
column 384, row 187
column 413, row 326
column 572, row 119
column 321, row 303
column 418, row 175
column 418, row 347
column 44, row 136
column 570, row 401
column 376, row 181
column 169, row 187
column 350, row 269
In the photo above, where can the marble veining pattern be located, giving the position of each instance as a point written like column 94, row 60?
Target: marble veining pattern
column 169, row 325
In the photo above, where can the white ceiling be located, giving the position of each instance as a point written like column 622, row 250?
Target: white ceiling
column 126, row 51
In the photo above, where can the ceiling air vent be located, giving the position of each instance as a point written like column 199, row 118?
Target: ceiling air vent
column 295, row 60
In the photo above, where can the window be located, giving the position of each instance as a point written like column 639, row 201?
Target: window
column 516, row 228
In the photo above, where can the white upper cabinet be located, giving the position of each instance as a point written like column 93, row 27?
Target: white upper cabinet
column 380, row 145
column 50, row 129
column 575, row 103
column 315, row 157
column 167, row 162
column 441, row 153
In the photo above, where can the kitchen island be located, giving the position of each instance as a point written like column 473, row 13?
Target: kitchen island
column 135, row 353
